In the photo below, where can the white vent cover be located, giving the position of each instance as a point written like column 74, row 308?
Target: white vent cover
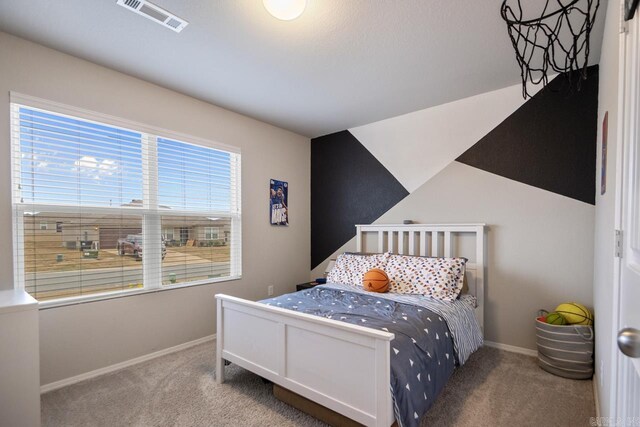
column 154, row 13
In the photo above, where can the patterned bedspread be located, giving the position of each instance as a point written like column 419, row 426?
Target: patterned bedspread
column 423, row 356
column 460, row 317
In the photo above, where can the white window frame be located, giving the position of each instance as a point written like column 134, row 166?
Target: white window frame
column 168, row 231
column 209, row 232
column 152, row 277
column 44, row 225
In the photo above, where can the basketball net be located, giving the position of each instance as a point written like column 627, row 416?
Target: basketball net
column 555, row 42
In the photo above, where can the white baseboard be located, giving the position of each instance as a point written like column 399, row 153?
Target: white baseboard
column 512, row 348
column 96, row 373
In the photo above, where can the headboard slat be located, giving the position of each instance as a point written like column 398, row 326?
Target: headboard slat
column 412, row 243
column 423, row 243
column 447, row 244
column 435, row 237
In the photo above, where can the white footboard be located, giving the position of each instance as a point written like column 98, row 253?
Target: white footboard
column 341, row 366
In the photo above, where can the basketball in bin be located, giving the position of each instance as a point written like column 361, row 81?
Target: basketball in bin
column 575, row 314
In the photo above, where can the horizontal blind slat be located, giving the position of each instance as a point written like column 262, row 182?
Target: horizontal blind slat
column 32, row 113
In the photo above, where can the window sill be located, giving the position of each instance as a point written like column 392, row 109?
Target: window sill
column 44, row 305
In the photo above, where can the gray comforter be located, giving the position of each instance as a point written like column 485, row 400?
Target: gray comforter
column 422, row 353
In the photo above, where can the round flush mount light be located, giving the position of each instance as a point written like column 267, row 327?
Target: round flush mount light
column 285, row 10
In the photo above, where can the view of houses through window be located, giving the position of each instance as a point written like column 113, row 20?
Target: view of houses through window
column 102, row 209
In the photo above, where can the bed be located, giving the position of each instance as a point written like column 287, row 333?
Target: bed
column 345, row 367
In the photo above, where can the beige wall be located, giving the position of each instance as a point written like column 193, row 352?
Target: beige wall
column 81, row 338
column 604, row 263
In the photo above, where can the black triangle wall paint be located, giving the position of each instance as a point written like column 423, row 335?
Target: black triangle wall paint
column 348, row 186
column 550, row 142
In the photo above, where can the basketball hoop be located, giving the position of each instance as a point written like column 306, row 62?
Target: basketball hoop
column 555, row 42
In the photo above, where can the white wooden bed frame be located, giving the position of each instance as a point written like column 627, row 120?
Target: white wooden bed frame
column 341, row 366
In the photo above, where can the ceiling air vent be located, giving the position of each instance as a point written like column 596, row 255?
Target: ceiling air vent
column 154, row 13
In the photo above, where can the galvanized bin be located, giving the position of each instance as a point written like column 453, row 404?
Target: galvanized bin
column 565, row 350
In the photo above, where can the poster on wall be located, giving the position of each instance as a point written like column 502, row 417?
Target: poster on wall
column 278, row 206
column 605, row 131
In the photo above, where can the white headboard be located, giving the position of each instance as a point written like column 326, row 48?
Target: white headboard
column 431, row 240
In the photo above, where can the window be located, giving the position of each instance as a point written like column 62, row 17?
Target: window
column 211, row 233
column 134, row 208
column 167, row 234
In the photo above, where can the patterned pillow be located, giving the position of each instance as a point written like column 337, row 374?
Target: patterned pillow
column 350, row 268
column 440, row 278
column 464, row 289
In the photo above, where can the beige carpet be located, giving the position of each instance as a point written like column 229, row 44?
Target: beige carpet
column 494, row 388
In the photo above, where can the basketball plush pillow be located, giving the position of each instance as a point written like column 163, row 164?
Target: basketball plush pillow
column 576, row 314
column 375, row 280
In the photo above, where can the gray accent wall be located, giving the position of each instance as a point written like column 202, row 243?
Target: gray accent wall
column 538, row 207
column 348, row 186
column 549, row 142
column 539, row 244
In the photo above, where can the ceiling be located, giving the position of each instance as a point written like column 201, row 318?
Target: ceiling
column 341, row 64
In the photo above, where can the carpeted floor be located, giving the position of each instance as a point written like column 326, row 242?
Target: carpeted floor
column 494, row 388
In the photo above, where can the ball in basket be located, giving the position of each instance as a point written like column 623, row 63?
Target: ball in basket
column 556, row 319
column 576, row 314
column 375, row 280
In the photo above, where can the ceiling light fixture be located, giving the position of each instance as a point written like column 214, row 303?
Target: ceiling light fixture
column 285, row 10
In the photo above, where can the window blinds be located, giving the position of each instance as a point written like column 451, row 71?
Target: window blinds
column 106, row 208
column 198, row 190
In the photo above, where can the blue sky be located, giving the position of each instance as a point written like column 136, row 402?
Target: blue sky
column 72, row 161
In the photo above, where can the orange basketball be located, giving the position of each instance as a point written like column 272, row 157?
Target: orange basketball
column 375, row 280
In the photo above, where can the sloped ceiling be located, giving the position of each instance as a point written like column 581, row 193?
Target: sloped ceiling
column 340, row 65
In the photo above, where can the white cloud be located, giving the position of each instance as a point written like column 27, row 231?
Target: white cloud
column 95, row 168
column 108, row 167
column 86, row 162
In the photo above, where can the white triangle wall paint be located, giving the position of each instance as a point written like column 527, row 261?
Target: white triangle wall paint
column 414, row 147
